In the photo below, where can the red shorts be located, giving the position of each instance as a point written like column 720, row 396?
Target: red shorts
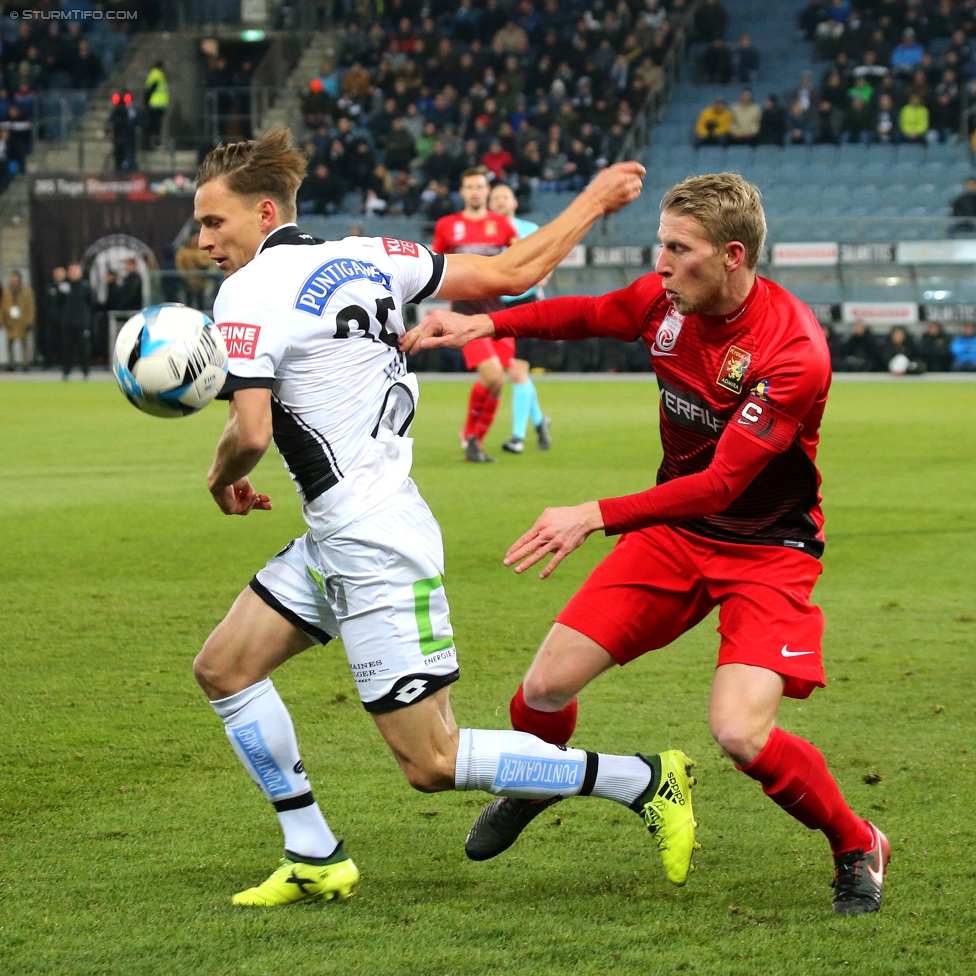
column 659, row 582
column 478, row 350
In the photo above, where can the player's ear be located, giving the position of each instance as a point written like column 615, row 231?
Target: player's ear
column 735, row 255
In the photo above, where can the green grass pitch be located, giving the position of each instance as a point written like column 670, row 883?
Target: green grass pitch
column 126, row 823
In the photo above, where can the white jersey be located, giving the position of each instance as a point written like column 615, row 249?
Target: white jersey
column 317, row 322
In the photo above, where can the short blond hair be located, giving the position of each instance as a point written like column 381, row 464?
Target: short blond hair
column 728, row 207
column 267, row 167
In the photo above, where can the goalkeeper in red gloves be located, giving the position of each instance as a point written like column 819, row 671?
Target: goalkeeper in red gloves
column 734, row 520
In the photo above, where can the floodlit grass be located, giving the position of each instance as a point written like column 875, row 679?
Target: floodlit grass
column 126, row 822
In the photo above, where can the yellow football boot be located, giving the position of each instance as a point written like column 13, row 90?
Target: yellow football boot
column 296, row 881
column 665, row 806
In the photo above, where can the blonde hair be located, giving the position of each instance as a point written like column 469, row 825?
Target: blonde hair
column 267, row 167
column 728, row 207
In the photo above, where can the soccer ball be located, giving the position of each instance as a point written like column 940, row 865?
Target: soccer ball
column 899, row 365
column 170, row 360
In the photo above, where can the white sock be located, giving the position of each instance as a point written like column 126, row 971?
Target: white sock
column 523, row 765
column 260, row 730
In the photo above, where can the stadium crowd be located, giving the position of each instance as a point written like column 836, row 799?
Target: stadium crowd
column 542, row 93
column 896, row 73
column 41, row 58
column 864, row 351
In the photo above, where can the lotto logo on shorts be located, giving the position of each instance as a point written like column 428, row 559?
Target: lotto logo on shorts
column 241, row 340
column 521, row 772
column 406, row 249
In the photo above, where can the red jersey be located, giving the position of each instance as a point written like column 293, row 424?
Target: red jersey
column 741, row 400
column 455, row 234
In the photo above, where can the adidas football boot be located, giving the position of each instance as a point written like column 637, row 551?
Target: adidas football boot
column 859, row 875
column 296, row 881
column 665, row 806
column 500, row 823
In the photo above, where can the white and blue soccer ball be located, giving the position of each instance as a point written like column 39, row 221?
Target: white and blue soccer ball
column 170, row 360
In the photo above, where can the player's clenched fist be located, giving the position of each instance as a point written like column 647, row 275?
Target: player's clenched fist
column 617, row 185
column 443, row 328
column 557, row 531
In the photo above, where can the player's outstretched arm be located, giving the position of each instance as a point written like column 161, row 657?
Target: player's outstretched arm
column 525, row 263
column 243, row 443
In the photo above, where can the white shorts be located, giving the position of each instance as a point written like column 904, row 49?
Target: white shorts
column 379, row 584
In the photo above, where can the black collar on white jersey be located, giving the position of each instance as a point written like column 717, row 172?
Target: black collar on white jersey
column 288, row 234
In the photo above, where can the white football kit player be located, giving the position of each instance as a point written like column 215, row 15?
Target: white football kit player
column 318, row 322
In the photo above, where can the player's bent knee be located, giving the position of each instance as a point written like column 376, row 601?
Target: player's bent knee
column 740, row 743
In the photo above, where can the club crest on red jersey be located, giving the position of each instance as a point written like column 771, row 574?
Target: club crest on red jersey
column 733, row 372
column 667, row 334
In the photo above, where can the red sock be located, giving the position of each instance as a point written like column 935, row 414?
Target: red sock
column 476, row 402
column 487, row 415
column 554, row 727
column 794, row 775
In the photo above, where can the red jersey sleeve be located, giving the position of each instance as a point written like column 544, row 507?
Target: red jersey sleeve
column 738, row 459
column 618, row 314
column 441, row 244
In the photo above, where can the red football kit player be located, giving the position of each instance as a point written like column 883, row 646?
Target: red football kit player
column 733, row 522
column 477, row 230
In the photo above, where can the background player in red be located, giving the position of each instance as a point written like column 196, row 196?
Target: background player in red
column 734, row 521
column 477, row 230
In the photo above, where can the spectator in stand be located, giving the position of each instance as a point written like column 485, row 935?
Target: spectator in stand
column 886, row 121
column 858, row 122
column 498, row 160
column 907, row 54
column 799, row 125
column 87, row 71
column 860, row 352
column 862, row 89
column 439, row 166
column 317, row 104
column 772, row 125
column 20, row 136
column 437, row 202
column 745, row 61
column 805, row 93
column 965, row 206
column 835, row 91
column 156, row 100
column 198, row 272
column 400, row 148
column 963, row 349
column 321, row 192
column 76, row 329
column 933, row 349
column 901, row 343
column 746, row 118
column 834, row 344
column 124, row 121
column 869, row 68
column 944, row 118
column 130, row 288
column 710, row 21
column 17, row 320
column 828, row 124
column 713, row 125
column 716, row 63
column 913, row 121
